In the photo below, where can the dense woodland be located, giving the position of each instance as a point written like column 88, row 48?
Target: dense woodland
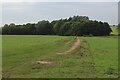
column 72, row 26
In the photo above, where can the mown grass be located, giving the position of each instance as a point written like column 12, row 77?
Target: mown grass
column 105, row 54
column 21, row 52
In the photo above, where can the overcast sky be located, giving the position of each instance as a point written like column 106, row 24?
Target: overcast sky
column 24, row 12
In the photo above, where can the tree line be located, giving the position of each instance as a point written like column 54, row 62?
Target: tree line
column 118, row 28
column 72, row 26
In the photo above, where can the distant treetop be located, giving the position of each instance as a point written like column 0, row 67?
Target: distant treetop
column 72, row 26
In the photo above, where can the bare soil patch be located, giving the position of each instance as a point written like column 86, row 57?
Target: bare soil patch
column 44, row 62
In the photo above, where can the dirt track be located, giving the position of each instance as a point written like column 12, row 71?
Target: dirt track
column 76, row 45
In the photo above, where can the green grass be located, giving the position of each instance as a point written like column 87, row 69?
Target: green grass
column 0, row 56
column 105, row 54
column 96, row 57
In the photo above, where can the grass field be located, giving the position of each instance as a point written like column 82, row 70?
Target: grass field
column 105, row 54
column 96, row 57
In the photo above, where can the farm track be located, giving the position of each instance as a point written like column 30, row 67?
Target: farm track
column 74, row 47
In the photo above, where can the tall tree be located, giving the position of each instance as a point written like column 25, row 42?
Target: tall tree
column 44, row 28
